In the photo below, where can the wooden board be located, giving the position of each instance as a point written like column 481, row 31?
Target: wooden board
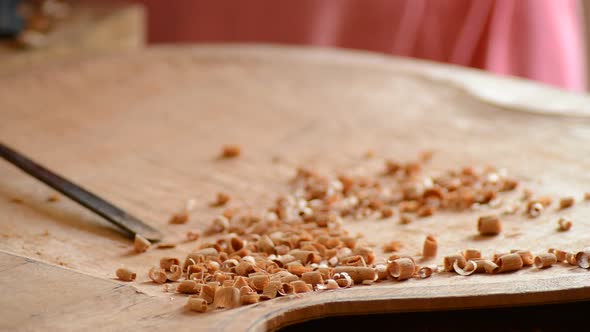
column 144, row 129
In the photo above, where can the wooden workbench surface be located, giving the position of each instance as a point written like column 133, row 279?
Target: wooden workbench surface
column 144, row 130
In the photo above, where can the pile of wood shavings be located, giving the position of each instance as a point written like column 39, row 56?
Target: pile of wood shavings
column 298, row 245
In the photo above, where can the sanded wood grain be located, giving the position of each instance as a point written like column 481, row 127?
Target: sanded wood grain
column 144, row 130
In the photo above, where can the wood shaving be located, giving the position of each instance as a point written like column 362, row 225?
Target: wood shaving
column 583, row 258
column 298, row 243
column 226, row 297
column 221, row 199
column 566, row 202
column 343, row 280
column 392, row 246
column 125, row 274
column 470, row 268
column 300, row 286
column 571, row 259
column 231, row 151
column 560, row 255
column 401, row 269
column 165, row 245
column 193, row 235
column 564, row 224
column 430, row 247
column 167, row 262
column 188, row 287
column 141, row 244
column 510, row 262
column 158, row 275
column 175, row 273
column 196, row 304
column 425, row 272
column 449, row 262
column 544, row 260
column 488, row 266
column 471, row 254
column 535, row 208
column 489, row 225
column 356, row 273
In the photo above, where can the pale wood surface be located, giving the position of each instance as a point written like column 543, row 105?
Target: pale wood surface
column 144, row 129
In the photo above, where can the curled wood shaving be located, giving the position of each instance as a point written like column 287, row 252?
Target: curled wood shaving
column 488, row 266
column 158, row 275
column 392, row 246
column 381, row 270
column 208, row 292
column 566, row 202
column 182, row 216
column 313, row 278
column 571, row 259
column 193, row 235
column 272, row 289
column 469, row 269
column 564, row 224
column 355, row 260
column 401, row 269
column 367, row 253
column 259, row 281
column 240, row 282
column 125, row 274
column 356, row 273
column 167, row 262
column 430, row 247
column 249, row 298
column 188, row 287
column 425, row 272
column 286, row 288
column 489, row 225
column 510, row 262
column 560, row 255
column 535, row 208
column 449, row 261
column 196, row 304
column 221, row 199
column 544, row 260
column 230, row 151
column 343, row 279
column 226, row 297
column 526, row 256
column 471, row 254
column 300, row 286
column 140, row 244
column 175, row 273
column 583, row 258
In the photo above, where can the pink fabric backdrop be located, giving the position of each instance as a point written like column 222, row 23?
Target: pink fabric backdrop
column 536, row 39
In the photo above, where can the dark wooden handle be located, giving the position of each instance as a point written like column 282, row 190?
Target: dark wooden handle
column 127, row 223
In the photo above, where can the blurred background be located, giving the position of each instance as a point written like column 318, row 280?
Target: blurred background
column 542, row 40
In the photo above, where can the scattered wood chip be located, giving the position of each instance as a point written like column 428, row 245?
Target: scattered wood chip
column 221, row 199
column 141, row 244
column 392, row 246
column 566, row 202
column 231, row 151
column 489, row 225
column 125, row 274
column 564, row 224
